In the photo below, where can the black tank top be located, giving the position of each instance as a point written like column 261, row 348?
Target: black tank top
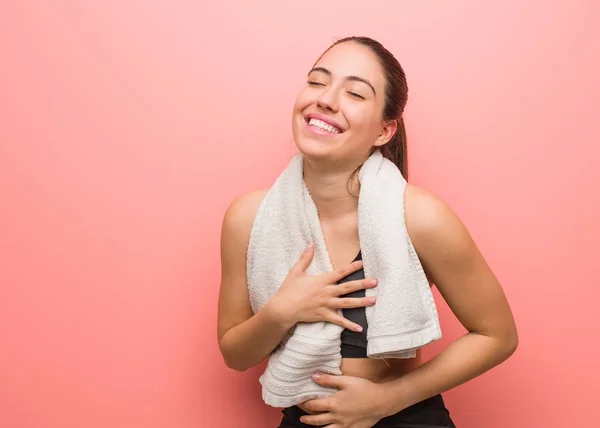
column 354, row 344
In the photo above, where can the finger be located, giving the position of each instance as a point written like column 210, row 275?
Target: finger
column 318, row 420
column 335, row 318
column 354, row 302
column 330, row 381
column 336, row 275
column 304, row 261
column 351, row 286
column 318, row 405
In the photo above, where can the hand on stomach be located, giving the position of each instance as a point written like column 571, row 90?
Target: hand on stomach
column 376, row 370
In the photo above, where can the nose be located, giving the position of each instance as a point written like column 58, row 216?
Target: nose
column 327, row 99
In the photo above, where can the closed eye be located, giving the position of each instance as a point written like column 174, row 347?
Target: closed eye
column 355, row 95
column 311, row 83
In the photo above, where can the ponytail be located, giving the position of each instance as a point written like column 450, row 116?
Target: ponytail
column 395, row 149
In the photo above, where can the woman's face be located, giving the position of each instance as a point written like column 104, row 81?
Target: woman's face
column 338, row 113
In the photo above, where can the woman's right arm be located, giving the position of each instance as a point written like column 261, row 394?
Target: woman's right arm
column 245, row 338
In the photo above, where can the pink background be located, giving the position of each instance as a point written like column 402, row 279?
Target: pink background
column 127, row 127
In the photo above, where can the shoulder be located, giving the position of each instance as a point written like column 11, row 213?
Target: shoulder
column 239, row 216
column 434, row 228
column 425, row 212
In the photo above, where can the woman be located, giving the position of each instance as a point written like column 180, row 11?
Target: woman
column 352, row 104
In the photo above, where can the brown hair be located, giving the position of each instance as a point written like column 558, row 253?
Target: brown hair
column 396, row 96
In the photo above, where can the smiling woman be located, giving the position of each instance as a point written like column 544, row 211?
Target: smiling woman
column 348, row 113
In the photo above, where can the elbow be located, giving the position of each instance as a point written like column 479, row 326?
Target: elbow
column 502, row 344
column 235, row 365
column 231, row 361
column 510, row 343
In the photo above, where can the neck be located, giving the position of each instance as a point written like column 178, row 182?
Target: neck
column 330, row 190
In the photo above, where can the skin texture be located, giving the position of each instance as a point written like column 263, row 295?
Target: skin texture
column 368, row 389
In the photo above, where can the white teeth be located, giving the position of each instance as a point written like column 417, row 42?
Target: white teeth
column 322, row 125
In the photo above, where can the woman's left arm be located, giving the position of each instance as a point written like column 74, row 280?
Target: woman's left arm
column 455, row 265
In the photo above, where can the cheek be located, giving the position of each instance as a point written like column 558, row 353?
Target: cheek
column 361, row 119
column 302, row 101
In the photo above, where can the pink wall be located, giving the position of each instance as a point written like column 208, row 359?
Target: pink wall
column 113, row 116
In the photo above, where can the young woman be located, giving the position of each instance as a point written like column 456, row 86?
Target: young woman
column 352, row 104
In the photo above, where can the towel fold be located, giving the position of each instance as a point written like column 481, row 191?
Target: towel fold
column 403, row 319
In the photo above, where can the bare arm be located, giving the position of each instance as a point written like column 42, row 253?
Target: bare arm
column 245, row 339
column 454, row 264
column 466, row 282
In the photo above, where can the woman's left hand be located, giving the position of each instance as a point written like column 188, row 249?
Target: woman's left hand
column 358, row 403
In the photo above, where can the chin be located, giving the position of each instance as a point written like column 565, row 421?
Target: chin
column 313, row 148
column 317, row 147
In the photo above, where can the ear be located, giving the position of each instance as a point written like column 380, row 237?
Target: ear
column 388, row 131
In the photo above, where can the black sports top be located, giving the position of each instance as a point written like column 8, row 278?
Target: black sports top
column 354, row 344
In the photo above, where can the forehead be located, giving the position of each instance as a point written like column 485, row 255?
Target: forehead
column 352, row 59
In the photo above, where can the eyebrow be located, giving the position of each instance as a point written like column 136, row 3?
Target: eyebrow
column 355, row 78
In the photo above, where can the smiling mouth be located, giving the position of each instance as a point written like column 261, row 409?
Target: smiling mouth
column 323, row 126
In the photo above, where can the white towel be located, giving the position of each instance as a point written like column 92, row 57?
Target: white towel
column 403, row 319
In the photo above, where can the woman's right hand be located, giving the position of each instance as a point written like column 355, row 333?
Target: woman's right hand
column 311, row 298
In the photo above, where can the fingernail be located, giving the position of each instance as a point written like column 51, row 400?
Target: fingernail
column 359, row 329
column 372, row 299
column 317, row 376
column 373, row 282
column 308, row 248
